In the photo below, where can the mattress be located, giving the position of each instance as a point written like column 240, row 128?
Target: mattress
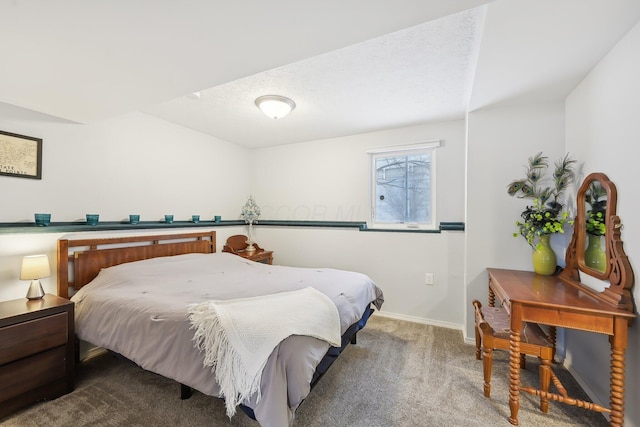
column 140, row 310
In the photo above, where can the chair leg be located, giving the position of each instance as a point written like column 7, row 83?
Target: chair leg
column 487, row 366
column 478, row 344
column 545, row 379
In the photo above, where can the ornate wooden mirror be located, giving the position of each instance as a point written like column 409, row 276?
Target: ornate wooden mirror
column 596, row 247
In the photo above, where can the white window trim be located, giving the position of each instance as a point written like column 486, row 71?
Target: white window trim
column 402, row 149
column 408, row 147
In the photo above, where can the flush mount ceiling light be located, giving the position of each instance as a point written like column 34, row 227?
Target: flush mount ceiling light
column 275, row 106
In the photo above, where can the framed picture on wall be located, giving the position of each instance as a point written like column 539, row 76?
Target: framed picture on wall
column 20, row 156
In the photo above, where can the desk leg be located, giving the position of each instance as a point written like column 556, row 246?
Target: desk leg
column 618, row 346
column 514, row 363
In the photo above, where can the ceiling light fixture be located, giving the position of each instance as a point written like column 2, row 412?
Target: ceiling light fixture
column 275, row 106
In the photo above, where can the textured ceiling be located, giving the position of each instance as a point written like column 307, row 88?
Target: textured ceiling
column 88, row 60
column 407, row 77
column 352, row 67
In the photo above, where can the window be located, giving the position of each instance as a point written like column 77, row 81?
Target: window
column 403, row 187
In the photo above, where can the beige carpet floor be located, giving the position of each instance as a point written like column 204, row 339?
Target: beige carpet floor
column 399, row 374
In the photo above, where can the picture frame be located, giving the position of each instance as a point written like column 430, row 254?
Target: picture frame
column 20, row 156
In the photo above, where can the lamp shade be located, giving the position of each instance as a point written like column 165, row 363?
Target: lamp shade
column 275, row 106
column 35, row 267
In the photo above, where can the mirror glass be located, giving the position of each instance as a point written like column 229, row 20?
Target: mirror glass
column 595, row 226
column 596, row 204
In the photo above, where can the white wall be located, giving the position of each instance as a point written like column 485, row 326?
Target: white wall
column 329, row 180
column 130, row 164
column 602, row 128
column 91, row 168
column 500, row 141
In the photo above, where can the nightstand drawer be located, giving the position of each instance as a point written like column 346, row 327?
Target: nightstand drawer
column 24, row 339
column 27, row 374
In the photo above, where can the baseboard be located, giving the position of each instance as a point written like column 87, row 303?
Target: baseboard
column 419, row 320
column 587, row 389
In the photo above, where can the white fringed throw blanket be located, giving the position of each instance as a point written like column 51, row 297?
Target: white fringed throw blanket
column 238, row 335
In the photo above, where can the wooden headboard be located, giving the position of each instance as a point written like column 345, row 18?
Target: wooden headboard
column 84, row 258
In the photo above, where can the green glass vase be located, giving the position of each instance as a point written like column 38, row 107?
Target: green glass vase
column 544, row 258
column 594, row 256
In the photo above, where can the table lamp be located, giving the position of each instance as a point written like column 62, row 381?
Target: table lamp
column 34, row 268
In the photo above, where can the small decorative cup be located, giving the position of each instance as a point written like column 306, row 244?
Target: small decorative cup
column 42, row 219
column 134, row 219
column 92, row 219
column 217, row 218
column 195, row 218
column 168, row 219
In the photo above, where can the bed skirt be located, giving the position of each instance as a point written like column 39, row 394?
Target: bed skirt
column 349, row 337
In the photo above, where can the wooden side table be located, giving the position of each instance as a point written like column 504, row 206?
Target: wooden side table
column 263, row 256
column 37, row 357
column 237, row 245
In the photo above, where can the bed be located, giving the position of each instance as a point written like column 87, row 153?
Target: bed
column 136, row 296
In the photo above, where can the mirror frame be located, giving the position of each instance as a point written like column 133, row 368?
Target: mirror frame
column 618, row 271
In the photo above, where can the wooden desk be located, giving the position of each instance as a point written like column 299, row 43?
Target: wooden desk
column 549, row 300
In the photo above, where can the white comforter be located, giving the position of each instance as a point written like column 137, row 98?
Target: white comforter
column 140, row 310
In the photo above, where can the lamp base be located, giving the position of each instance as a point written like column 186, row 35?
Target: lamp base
column 35, row 290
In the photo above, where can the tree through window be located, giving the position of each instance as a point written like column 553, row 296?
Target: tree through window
column 403, row 184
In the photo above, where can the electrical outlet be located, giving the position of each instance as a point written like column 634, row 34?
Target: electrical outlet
column 428, row 279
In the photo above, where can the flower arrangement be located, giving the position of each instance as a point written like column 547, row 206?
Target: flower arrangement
column 250, row 211
column 544, row 216
column 596, row 215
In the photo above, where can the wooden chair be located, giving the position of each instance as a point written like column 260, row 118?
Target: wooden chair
column 492, row 332
column 238, row 243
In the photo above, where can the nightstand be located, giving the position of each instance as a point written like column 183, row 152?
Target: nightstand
column 37, row 357
column 237, row 245
column 263, row 256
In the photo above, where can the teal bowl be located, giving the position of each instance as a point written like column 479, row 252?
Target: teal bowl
column 92, row 219
column 42, row 219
